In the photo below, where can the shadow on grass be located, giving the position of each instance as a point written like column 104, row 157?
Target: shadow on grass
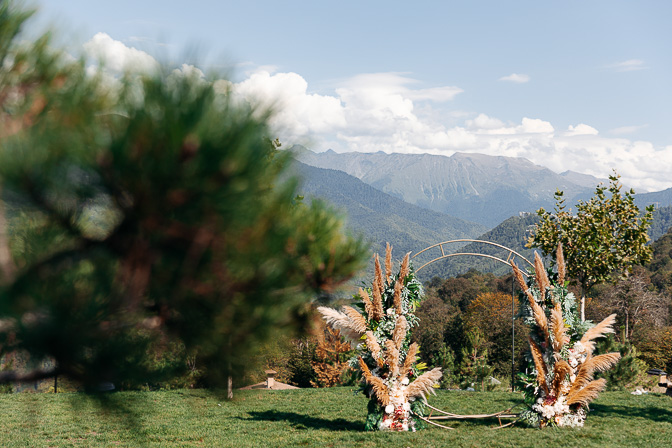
column 302, row 421
column 650, row 413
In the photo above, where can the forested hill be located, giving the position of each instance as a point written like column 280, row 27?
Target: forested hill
column 511, row 233
column 380, row 217
column 514, row 233
column 383, row 218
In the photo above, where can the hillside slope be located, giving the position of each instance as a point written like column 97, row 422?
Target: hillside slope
column 379, row 216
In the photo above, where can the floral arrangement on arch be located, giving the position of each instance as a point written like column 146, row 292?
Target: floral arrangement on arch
column 562, row 385
column 379, row 325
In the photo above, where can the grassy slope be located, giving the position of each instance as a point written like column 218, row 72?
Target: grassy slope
column 309, row 417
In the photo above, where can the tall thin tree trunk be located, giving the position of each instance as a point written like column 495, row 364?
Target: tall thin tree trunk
column 583, row 307
column 229, row 382
column 7, row 268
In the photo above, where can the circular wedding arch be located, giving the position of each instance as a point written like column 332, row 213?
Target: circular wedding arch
column 512, row 255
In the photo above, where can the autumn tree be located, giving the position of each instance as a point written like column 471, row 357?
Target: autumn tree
column 636, row 304
column 602, row 241
column 152, row 213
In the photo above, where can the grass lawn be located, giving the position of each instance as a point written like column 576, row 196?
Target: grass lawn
column 310, row 417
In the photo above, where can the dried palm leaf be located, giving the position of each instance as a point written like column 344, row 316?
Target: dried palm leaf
column 588, row 393
column 560, row 371
column 400, row 329
column 368, row 305
column 405, row 267
column 374, row 348
column 398, row 288
column 388, row 261
column 560, row 259
column 358, row 321
column 410, row 359
column 424, row 383
column 342, row 322
column 598, row 331
column 539, row 364
column 558, row 328
column 540, row 275
column 392, row 357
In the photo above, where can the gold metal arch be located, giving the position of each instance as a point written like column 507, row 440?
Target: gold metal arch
column 512, row 254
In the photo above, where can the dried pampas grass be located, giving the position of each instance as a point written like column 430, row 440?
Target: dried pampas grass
column 378, row 385
column 388, row 261
column 392, row 357
column 374, row 348
column 405, row 267
column 560, row 372
column 540, row 274
column 590, row 366
column 558, row 328
column 400, row 329
column 588, row 393
column 560, row 260
column 358, row 321
column 398, row 288
column 342, row 322
column 424, row 383
column 540, row 365
column 521, row 282
column 368, row 304
column 599, row 330
column 410, row 359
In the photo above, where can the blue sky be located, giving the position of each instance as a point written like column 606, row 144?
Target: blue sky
column 571, row 85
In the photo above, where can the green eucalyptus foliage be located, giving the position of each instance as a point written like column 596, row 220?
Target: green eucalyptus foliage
column 151, row 213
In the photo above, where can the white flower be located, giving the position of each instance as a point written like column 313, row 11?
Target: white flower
column 404, row 381
column 389, row 409
column 407, row 406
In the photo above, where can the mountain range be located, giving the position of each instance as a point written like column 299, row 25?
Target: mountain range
column 414, row 201
column 473, row 187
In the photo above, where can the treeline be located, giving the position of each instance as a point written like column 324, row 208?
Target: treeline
column 466, row 328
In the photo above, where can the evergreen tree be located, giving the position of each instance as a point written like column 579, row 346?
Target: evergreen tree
column 147, row 214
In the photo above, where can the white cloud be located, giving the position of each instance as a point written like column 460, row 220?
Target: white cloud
column 439, row 94
column 628, row 66
column 516, row 77
column 298, row 112
column 117, row 57
column 581, row 129
column 535, row 126
column 377, row 111
column 624, row 130
column 482, row 121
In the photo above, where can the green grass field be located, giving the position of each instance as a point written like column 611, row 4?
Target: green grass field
column 310, row 418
